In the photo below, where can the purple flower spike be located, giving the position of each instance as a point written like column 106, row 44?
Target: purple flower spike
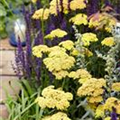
column 32, row 9
column 92, row 7
column 38, row 4
column 61, row 4
column 107, row 3
column 38, row 70
column 113, row 114
column 39, row 39
column 19, row 66
column 63, row 24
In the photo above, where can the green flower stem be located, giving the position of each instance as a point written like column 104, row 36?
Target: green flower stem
column 43, row 34
column 63, row 83
column 5, row 3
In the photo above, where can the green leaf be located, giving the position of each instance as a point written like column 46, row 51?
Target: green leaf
column 2, row 11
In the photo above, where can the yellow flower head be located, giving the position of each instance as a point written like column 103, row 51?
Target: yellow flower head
column 68, row 44
column 79, row 19
column 99, row 111
column 60, row 74
column 56, row 5
column 56, row 33
column 88, row 53
column 58, row 49
column 34, row 1
column 116, row 86
column 38, row 50
column 57, row 116
column 96, row 99
column 77, row 4
column 102, row 21
column 41, row 14
column 95, row 20
column 54, row 98
column 74, row 52
column 92, row 87
column 107, row 118
column 80, row 74
column 58, row 61
column 89, row 37
column 109, row 41
column 112, row 102
column 108, row 26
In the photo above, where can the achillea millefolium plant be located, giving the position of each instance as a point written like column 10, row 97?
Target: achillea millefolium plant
column 78, row 59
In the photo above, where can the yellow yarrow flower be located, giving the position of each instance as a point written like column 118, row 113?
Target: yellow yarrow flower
column 96, row 99
column 42, row 14
column 109, row 41
column 81, row 74
column 57, row 116
column 102, row 21
column 77, row 4
column 88, row 53
column 108, row 26
column 42, row 102
column 95, row 20
column 99, row 111
column 60, row 74
column 52, row 98
column 116, row 86
column 56, row 5
column 59, row 63
column 57, row 51
column 92, row 88
column 68, row 44
column 34, row 1
column 57, row 48
column 90, row 106
column 107, row 118
column 87, row 38
column 74, row 52
column 56, row 33
column 79, row 19
column 112, row 102
column 39, row 50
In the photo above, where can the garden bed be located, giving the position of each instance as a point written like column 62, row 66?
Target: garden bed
column 70, row 67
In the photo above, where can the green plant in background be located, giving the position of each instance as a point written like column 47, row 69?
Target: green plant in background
column 7, row 13
column 3, row 13
column 24, row 108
